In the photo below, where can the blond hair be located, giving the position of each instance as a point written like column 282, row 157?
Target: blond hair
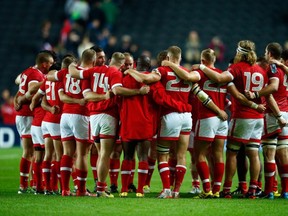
column 246, row 52
column 208, row 55
column 67, row 60
column 88, row 56
column 117, row 59
column 174, row 52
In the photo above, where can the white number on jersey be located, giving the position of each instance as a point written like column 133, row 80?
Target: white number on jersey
column 22, row 83
column 100, row 81
column 50, row 91
column 256, row 79
column 72, row 85
column 213, row 87
column 173, row 85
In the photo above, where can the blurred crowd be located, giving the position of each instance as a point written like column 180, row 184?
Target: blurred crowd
column 92, row 22
column 8, row 113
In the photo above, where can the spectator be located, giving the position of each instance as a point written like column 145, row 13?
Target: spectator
column 77, row 10
column 192, row 48
column 218, row 46
column 96, row 13
column 111, row 46
column 104, row 37
column 126, row 41
column 8, row 112
column 94, row 30
column 111, row 11
column 46, row 42
column 74, row 38
column 128, row 46
column 85, row 44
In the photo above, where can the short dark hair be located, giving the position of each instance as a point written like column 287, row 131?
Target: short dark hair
column 143, row 63
column 161, row 56
column 43, row 57
column 56, row 66
column 52, row 53
column 275, row 49
column 96, row 48
column 284, row 55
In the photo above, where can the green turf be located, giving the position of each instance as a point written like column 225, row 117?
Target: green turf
column 29, row 204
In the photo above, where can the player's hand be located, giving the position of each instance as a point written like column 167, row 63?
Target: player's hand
column 165, row 63
column 82, row 102
column 73, row 64
column 32, row 106
column 17, row 106
column 55, row 110
column 127, row 71
column 261, row 108
column 223, row 115
column 282, row 121
column 144, row 90
column 195, row 67
column 274, row 61
column 122, row 68
column 250, row 95
column 18, row 103
column 108, row 95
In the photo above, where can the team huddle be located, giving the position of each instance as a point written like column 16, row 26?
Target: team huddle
column 66, row 113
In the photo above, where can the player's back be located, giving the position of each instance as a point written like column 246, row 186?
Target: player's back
column 216, row 91
column 280, row 95
column 102, row 79
column 31, row 74
column 247, row 78
column 51, row 92
column 177, row 88
column 72, row 88
column 97, row 79
column 137, row 112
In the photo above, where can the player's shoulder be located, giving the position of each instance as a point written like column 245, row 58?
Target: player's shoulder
column 101, row 68
column 63, row 70
column 184, row 68
column 112, row 70
column 218, row 70
column 161, row 69
column 30, row 70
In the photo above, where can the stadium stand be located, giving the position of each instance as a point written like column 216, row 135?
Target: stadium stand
column 158, row 24
column 153, row 25
column 20, row 28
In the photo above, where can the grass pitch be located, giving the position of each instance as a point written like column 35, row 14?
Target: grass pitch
column 12, row 203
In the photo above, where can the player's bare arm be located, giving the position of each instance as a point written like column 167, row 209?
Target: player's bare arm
column 46, row 106
column 35, row 100
column 224, row 77
column 207, row 101
column 126, row 92
column 269, row 89
column 73, row 71
column 27, row 97
column 152, row 77
column 275, row 109
column 16, row 105
column 66, row 99
column 220, row 113
column 51, row 76
column 280, row 64
column 94, row 97
column 18, row 79
column 192, row 76
column 243, row 100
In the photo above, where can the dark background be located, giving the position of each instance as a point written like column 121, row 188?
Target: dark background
column 153, row 25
